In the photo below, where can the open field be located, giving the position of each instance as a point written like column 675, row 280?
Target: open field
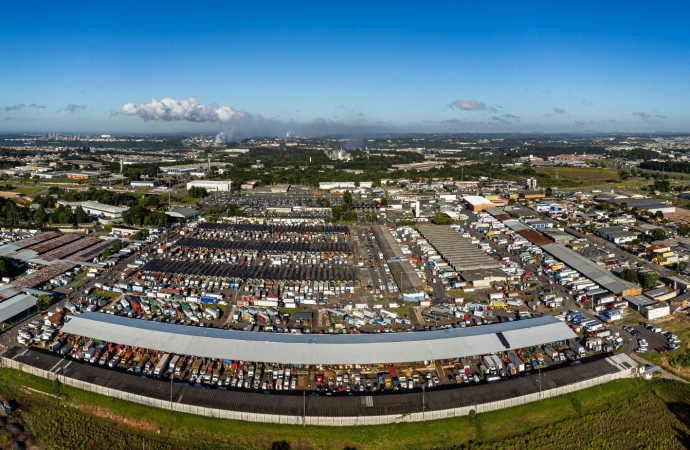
column 27, row 189
column 615, row 415
column 576, row 176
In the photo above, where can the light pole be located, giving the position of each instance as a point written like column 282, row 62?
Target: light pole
column 171, row 391
column 424, row 402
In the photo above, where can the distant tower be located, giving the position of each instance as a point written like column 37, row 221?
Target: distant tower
column 122, row 163
column 416, row 209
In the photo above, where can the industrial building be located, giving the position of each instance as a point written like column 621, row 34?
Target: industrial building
column 306, row 349
column 211, row 185
column 477, row 203
column 420, row 166
column 17, row 308
column 144, row 183
column 328, row 185
column 591, row 270
column 183, row 213
column 100, row 210
column 459, row 252
column 557, row 236
column 402, row 271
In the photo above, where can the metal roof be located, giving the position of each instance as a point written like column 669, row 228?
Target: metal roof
column 459, row 252
column 589, row 269
column 476, row 200
column 16, row 305
column 319, row 348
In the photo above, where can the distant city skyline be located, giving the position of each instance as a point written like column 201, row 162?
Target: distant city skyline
column 311, row 68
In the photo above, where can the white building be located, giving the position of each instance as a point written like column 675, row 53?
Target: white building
column 100, row 209
column 528, row 183
column 143, row 183
column 211, row 185
column 328, row 185
column 657, row 311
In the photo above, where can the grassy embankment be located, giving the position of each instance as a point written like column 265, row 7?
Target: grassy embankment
column 615, row 415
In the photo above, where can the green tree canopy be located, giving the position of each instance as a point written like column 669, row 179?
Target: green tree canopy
column 657, row 234
column 80, row 215
column 650, row 279
column 40, row 215
column 43, row 301
column 630, row 275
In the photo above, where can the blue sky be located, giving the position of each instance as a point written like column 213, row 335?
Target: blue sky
column 320, row 67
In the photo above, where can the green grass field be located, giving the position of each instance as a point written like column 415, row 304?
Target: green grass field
column 27, row 189
column 567, row 177
column 107, row 294
column 614, row 416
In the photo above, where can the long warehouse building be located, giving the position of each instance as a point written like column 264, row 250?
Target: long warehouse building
column 313, row 349
column 459, row 252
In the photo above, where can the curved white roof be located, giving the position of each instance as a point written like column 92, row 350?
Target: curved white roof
column 319, row 348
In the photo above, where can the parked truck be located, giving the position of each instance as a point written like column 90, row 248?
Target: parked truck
column 578, row 349
column 516, row 361
column 162, row 365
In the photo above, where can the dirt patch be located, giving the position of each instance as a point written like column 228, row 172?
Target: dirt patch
column 106, row 413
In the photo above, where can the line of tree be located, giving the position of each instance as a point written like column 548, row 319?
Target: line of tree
column 197, row 192
column 141, row 216
column 666, row 166
column 344, row 212
column 647, row 281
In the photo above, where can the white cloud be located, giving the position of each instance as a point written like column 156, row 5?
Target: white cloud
column 643, row 114
column 169, row 109
column 467, row 105
column 558, row 110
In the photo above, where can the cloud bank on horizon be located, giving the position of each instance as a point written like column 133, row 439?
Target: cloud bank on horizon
column 238, row 123
column 169, row 109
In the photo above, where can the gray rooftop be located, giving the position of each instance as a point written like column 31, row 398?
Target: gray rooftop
column 402, row 272
column 459, row 252
column 16, row 305
column 589, row 269
column 319, row 348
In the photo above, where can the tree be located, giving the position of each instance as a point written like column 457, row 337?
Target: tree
column 197, row 192
column 384, row 201
column 40, row 214
column 650, row 279
column 630, row 275
column 347, row 197
column 442, row 220
column 624, row 206
column 548, row 192
column 80, row 215
column 657, row 234
column 684, row 230
column 43, row 301
column 105, row 254
column 117, row 246
column 682, row 266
